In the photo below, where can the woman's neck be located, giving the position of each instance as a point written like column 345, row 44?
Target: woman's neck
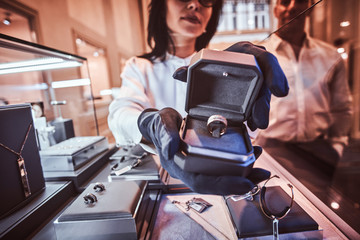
column 184, row 46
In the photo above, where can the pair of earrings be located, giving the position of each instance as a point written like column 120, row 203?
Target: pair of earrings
column 91, row 198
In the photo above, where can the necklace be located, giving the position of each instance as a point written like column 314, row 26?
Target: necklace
column 190, row 205
column 21, row 164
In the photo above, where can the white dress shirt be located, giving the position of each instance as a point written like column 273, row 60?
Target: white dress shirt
column 319, row 103
column 145, row 85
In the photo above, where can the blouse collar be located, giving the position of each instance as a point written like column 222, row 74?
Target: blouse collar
column 277, row 41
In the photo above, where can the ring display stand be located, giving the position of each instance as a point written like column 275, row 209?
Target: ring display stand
column 81, row 175
column 222, row 87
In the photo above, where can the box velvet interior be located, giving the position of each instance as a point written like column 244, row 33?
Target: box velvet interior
column 219, row 83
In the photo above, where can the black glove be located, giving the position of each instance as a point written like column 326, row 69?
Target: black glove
column 162, row 129
column 275, row 82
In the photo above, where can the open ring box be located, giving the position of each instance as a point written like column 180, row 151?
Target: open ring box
column 219, row 83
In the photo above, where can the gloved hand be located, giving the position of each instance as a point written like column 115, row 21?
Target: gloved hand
column 162, row 129
column 275, row 82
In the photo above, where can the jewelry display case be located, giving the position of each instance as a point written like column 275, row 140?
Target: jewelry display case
column 56, row 87
column 166, row 212
column 57, row 84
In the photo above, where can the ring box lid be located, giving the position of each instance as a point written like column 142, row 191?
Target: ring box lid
column 222, row 82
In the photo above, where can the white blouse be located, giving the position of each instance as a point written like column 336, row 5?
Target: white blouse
column 145, row 85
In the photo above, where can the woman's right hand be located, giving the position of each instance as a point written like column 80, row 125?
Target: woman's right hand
column 162, row 129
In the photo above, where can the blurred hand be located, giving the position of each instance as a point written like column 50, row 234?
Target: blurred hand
column 162, row 129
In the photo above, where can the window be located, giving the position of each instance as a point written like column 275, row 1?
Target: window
column 98, row 64
column 243, row 20
column 245, row 15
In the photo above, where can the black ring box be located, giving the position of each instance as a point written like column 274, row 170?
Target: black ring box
column 219, row 83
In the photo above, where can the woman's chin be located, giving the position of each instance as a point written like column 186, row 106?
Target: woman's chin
column 190, row 33
column 194, row 33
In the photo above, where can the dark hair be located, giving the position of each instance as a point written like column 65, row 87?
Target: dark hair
column 158, row 35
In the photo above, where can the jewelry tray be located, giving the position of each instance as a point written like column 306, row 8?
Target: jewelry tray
column 112, row 216
column 219, row 83
column 73, row 153
column 250, row 222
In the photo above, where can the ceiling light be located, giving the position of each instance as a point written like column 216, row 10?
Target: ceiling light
column 7, row 20
column 71, row 83
column 341, row 50
column 335, row 205
column 105, row 92
column 78, row 41
column 345, row 24
column 344, row 55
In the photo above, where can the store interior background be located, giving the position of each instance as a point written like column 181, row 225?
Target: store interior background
column 107, row 32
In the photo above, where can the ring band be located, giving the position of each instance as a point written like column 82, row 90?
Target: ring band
column 217, row 122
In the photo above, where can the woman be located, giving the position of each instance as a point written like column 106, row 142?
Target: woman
column 179, row 28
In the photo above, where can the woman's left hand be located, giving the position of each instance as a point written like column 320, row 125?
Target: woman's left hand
column 275, row 82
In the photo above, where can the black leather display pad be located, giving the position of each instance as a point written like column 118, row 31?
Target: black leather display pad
column 231, row 154
column 235, row 140
column 251, row 222
column 118, row 200
column 148, row 169
column 14, row 124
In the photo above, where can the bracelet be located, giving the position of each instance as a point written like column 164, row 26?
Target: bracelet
column 266, row 210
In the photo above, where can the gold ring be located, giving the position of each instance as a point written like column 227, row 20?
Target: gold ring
column 215, row 122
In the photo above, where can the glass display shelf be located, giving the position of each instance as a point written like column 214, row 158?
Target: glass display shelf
column 58, row 87
column 56, row 83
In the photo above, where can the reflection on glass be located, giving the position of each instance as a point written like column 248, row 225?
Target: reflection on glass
column 318, row 138
column 44, row 76
column 71, row 83
column 36, row 65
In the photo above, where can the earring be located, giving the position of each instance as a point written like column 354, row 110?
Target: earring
column 90, row 198
column 99, row 187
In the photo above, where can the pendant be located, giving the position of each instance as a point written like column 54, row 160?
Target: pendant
column 23, row 175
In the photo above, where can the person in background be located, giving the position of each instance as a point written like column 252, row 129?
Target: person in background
column 316, row 115
column 151, row 103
